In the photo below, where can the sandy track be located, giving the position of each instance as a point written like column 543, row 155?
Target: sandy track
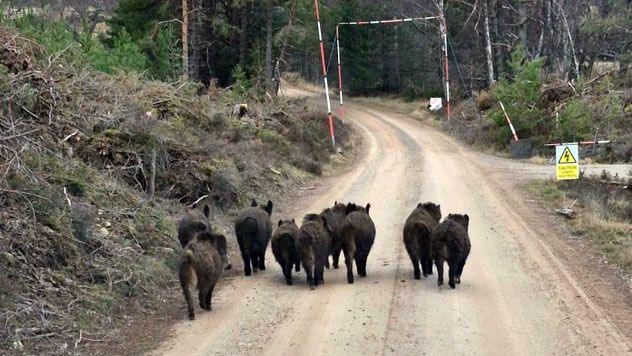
column 516, row 297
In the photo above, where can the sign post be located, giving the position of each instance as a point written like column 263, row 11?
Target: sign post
column 567, row 161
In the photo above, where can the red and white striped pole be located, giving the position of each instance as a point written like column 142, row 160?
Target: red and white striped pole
column 341, row 111
column 513, row 131
column 444, row 36
column 322, row 57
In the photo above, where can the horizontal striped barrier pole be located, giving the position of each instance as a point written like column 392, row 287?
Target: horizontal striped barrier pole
column 380, row 22
column 600, row 142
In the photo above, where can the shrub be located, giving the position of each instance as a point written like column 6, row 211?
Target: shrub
column 519, row 95
column 574, row 122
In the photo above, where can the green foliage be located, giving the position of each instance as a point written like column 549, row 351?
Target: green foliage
column 81, row 47
column 574, row 122
column 241, row 83
column 138, row 22
column 519, row 95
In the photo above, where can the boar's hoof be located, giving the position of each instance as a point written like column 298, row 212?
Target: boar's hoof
column 191, row 316
column 452, row 285
column 457, row 280
column 289, row 282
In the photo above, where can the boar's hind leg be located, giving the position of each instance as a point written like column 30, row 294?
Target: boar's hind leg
column 459, row 268
column 452, row 266
column 349, row 262
column 426, row 265
column 209, row 296
column 203, row 292
column 336, row 254
column 287, row 272
column 246, row 257
column 262, row 260
column 319, row 272
column 429, row 264
column 185, row 277
column 439, row 264
column 361, row 264
column 309, row 270
column 415, row 260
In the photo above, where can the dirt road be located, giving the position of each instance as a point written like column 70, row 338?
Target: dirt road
column 516, row 296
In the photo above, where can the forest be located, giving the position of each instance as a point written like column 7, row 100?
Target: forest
column 226, row 38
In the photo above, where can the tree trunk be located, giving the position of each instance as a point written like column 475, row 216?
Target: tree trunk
column 280, row 63
column 269, row 87
column 185, row 40
column 488, row 46
column 243, row 38
column 571, row 43
column 522, row 24
column 496, row 38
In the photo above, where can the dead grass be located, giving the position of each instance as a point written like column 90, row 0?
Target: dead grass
column 604, row 214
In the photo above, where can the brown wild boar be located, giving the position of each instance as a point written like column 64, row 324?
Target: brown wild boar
column 451, row 243
column 418, row 236
column 253, row 230
column 284, row 248
column 335, row 216
column 201, row 257
column 195, row 222
column 314, row 246
column 357, row 235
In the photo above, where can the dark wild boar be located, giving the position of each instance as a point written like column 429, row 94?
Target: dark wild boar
column 451, row 243
column 202, row 257
column 418, row 236
column 357, row 235
column 335, row 216
column 314, row 247
column 192, row 223
column 284, row 248
column 253, row 230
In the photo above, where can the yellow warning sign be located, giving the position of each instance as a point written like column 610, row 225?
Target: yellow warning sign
column 567, row 159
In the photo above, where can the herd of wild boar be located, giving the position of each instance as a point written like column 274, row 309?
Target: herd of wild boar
column 346, row 228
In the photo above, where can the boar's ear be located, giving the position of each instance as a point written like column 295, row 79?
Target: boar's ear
column 269, row 207
column 368, row 206
column 207, row 211
column 280, row 222
column 253, row 203
column 419, row 205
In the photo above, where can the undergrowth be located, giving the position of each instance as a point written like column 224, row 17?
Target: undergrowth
column 604, row 213
column 94, row 171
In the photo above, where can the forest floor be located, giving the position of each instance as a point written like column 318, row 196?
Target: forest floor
column 528, row 286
